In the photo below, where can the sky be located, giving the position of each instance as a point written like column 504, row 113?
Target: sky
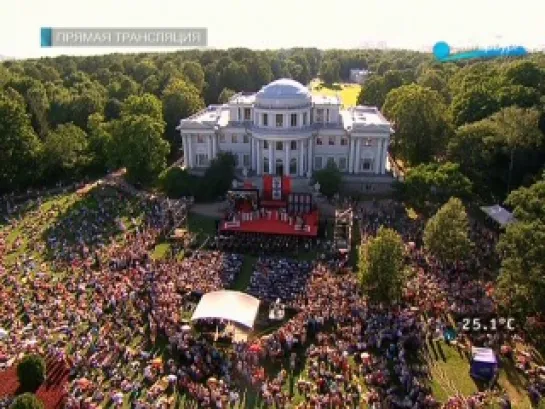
column 261, row 24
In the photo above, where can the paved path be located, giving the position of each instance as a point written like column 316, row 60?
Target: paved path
column 209, row 209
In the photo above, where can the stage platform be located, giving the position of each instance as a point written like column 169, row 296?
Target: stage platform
column 272, row 226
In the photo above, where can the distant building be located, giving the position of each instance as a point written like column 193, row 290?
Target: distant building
column 285, row 130
column 358, row 75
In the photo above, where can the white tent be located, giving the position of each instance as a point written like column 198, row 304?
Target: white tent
column 228, row 305
column 499, row 214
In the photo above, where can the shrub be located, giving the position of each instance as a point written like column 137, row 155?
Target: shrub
column 31, row 372
column 26, row 401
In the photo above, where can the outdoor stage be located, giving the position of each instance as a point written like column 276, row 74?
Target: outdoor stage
column 277, row 210
column 274, row 226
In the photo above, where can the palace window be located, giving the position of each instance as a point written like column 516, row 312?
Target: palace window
column 305, row 119
column 246, row 160
column 327, row 115
column 200, row 138
column 222, row 138
column 318, row 162
column 265, row 165
column 331, row 141
column 344, row 141
column 265, row 120
column 247, row 114
column 293, row 145
column 319, row 141
column 293, row 166
column 331, row 161
column 234, row 138
column 246, row 138
column 202, row 159
column 237, row 161
column 265, row 144
column 319, row 115
column 279, row 120
column 342, row 164
column 293, row 119
column 366, row 164
column 279, row 146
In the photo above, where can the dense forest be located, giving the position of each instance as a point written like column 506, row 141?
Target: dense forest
column 69, row 117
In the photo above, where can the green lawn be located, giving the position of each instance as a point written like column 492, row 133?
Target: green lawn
column 243, row 280
column 348, row 92
column 202, row 226
column 450, row 371
column 161, row 251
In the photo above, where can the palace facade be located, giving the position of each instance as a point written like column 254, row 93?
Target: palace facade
column 285, row 130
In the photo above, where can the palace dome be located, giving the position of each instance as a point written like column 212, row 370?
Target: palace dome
column 284, row 92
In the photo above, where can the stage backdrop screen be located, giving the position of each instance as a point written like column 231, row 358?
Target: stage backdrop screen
column 237, row 198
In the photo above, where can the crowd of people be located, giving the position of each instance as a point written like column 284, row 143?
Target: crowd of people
column 264, row 245
column 100, row 302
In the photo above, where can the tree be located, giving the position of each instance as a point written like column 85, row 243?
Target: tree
column 225, row 95
column 180, row 100
column 31, row 372
column 521, row 283
column 38, row 105
column 435, row 183
column 235, row 76
column 19, row 145
column 143, row 70
column 146, row 104
column 381, row 266
column 446, row 235
column 421, row 123
column 99, row 139
column 192, row 70
column 433, row 79
column 66, row 150
column 473, row 105
column 176, row 182
column 218, row 177
column 372, row 92
column 525, row 73
column 474, row 147
column 122, row 87
column 528, row 203
column 330, row 71
column 26, row 401
column 137, row 143
column 518, row 128
column 329, row 178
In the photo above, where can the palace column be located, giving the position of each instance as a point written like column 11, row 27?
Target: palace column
column 214, row 146
column 357, row 159
column 271, row 158
column 258, row 156
column 287, row 158
column 384, row 156
column 185, row 147
column 301, row 158
column 378, row 156
column 190, row 151
column 209, row 147
column 351, row 150
column 310, row 161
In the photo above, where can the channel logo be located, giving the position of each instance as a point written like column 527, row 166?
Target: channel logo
column 443, row 52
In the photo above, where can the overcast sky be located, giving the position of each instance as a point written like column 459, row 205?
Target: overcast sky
column 283, row 23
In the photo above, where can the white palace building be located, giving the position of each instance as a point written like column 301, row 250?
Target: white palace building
column 285, row 130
